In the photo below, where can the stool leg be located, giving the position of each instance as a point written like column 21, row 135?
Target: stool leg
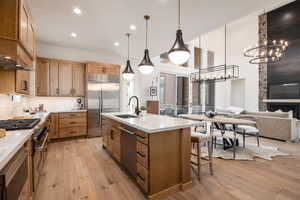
column 257, row 137
column 209, row 145
column 198, row 159
column 244, row 139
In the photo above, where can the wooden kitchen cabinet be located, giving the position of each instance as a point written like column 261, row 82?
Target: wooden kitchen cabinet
column 22, row 82
column 78, row 80
column 116, row 143
column 17, row 32
column 42, row 77
column 53, row 126
column 103, row 68
column 65, row 79
column 53, row 78
column 61, row 78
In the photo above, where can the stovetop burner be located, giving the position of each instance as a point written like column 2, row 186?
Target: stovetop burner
column 19, row 124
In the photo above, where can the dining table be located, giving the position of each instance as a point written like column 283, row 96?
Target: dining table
column 234, row 121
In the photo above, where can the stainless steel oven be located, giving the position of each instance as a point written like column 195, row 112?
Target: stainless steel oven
column 14, row 176
column 39, row 153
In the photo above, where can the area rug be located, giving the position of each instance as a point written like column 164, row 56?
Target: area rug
column 250, row 152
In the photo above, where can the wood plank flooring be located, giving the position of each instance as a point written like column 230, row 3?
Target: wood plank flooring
column 81, row 169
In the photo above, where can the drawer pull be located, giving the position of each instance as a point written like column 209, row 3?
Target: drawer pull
column 73, row 122
column 138, row 174
column 73, row 132
column 141, row 136
column 141, row 154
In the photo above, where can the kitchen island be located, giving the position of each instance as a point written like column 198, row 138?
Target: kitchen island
column 154, row 150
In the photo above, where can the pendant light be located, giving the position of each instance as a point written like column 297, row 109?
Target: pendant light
column 146, row 66
column 128, row 73
column 179, row 53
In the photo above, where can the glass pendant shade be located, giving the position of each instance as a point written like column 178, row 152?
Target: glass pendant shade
column 146, row 66
column 179, row 53
column 128, row 73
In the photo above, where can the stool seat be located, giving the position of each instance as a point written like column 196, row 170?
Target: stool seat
column 200, row 137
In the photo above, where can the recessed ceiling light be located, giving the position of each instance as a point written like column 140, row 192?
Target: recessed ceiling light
column 74, row 35
column 77, row 11
column 132, row 27
column 116, row 44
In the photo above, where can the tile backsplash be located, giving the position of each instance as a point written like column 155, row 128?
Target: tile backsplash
column 52, row 104
column 9, row 108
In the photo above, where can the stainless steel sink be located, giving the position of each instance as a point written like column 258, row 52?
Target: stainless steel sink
column 126, row 116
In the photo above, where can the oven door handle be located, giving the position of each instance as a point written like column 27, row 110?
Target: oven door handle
column 41, row 148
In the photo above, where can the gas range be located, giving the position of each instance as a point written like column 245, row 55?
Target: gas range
column 19, row 124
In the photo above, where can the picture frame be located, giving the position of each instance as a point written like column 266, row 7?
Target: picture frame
column 153, row 91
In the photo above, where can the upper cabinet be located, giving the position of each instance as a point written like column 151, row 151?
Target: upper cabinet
column 103, row 68
column 17, row 32
column 60, row 78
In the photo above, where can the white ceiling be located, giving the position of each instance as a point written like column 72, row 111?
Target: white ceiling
column 104, row 22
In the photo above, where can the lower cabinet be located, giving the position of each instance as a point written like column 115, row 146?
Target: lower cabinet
column 112, row 139
column 63, row 125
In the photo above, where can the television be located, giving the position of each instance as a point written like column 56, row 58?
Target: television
column 284, row 91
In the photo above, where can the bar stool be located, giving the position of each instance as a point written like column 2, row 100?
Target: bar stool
column 198, row 137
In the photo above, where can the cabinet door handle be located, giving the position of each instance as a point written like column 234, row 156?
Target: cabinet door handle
column 141, row 136
column 141, row 177
column 112, row 134
column 73, row 132
column 57, row 91
column 25, row 85
column 73, row 122
column 141, row 154
column 38, row 90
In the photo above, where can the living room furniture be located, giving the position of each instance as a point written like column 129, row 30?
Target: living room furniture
column 198, row 138
column 275, row 125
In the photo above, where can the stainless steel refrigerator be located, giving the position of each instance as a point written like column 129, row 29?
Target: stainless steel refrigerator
column 103, row 96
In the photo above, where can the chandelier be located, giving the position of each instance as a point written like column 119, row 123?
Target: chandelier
column 217, row 73
column 268, row 52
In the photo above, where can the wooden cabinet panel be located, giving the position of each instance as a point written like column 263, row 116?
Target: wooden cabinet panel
column 22, row 82
column 78, row 80
column 73, row 115
column 116, row 144
column 65, row 79
column 104, row 131
column 142, row 177
column 53, row 132
column 142, row 137
column 53, row 78
column 72, row 131
column 142, row 154
column 23, row 23
column 8, row 19
column 31, row 39
column 71, row 122
column 42, row 77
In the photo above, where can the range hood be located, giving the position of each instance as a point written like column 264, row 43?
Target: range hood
column 8, row 63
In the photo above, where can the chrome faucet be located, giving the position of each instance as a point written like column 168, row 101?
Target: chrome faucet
column 137, row 109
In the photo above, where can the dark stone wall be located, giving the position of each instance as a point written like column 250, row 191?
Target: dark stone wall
column 284, row 23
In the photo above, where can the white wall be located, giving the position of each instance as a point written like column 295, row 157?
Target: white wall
column 240, row 34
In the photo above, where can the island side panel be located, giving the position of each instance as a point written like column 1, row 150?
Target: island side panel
column 166, row 162
column 186, row 178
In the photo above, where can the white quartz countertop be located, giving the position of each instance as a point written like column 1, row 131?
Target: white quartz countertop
column 150, row 123
column 11, row 143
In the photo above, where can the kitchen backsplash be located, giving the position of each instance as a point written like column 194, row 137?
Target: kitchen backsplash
column 9, row 108
column 52, row 104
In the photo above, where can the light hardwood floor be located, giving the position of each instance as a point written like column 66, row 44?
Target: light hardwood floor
column 81, row 169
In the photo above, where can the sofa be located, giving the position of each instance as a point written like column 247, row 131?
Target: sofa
column 275, row 125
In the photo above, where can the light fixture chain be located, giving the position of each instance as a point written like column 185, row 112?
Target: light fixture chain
column 128, row 46
column 146, row 33
column 179, row 13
